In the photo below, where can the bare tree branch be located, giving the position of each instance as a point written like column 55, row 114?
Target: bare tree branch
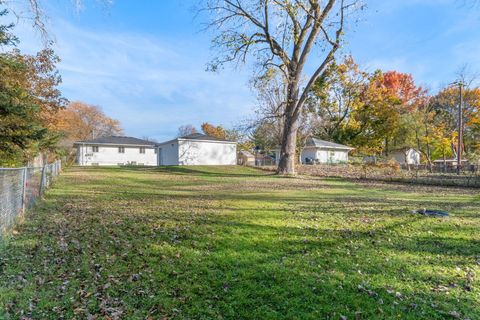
column 281, row 34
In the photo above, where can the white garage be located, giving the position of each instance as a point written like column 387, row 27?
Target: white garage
column 405, row 156
column 197, row 149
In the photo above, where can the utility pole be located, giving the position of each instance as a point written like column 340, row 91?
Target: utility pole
column 460, row 129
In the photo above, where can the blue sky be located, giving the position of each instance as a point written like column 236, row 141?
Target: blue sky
column 144, row 62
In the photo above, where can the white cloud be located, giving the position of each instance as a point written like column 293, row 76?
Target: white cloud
column 152, row 86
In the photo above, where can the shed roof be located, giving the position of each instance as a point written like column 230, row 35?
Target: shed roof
column 198, row 137
column 246, row 153
column 201, row 136
column 118, row 140
column 318, row 143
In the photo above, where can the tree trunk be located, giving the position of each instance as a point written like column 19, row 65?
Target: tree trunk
column 289, row 144
column 286, row 165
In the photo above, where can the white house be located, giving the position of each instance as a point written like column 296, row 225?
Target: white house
column 197, row 149
column 408, row 156
column 321, row 151
column 116, row 150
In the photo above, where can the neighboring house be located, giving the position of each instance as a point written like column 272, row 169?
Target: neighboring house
column 406, row 156
column 116, row 150
column 321, row 151
column 245, row 158
column 197, row 149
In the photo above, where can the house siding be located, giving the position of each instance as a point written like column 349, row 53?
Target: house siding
column 168, row 154
column 412, row 157
column 108, row 155
column 321, row 155
column 308, row 153
column 325, row 155
column 191, row 152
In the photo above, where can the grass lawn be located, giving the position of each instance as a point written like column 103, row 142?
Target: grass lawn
column 237, row 243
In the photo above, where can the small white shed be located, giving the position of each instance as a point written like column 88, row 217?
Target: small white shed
column 197, row 149
column 321, row 151
column 406, row 156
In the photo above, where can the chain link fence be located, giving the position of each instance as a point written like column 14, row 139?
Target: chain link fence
column 20, row 188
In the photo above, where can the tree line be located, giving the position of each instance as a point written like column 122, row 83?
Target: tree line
column 375, row 112
column 303, row 89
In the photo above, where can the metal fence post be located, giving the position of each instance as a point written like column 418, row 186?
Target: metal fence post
column 42, row 181
column 18, row 190
column 24, row 191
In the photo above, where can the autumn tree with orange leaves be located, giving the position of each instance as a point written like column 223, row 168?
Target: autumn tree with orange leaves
column 373, row 112
column 81, row 121
column 385, row 111
column 408, row 107
column 214, row 131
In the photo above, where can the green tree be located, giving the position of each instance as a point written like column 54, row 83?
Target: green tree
column 20, row 126
column 445, row 105
column 374, row 120
column 28, row 100
column 334, row 97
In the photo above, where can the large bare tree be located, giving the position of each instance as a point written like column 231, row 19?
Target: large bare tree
column 298, row 37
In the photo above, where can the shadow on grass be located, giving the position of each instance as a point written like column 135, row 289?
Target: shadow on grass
column 212, row 171
column 246, row 254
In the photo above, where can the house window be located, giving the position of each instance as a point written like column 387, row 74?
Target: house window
column 121, row 149
column 155, row 150
column 94, row 148
column 142, row 149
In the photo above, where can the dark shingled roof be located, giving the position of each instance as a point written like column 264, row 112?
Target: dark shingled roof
column 119, row 140
column 314, row 142
column 201, row 136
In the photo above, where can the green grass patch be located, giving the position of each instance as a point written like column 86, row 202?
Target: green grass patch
column 238, row 243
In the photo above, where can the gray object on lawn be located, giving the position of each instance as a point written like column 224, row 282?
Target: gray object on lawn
column 432, row 213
